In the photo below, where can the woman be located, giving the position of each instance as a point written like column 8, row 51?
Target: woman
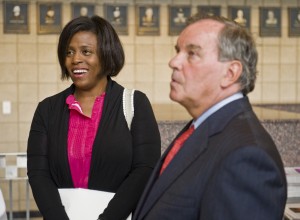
column 79, row 137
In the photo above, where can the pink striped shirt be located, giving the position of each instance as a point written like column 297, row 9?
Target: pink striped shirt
column 81, row 135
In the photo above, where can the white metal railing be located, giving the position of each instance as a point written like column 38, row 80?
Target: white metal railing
column 13, row 167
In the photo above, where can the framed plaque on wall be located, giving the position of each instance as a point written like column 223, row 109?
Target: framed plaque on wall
column 241, row 15
column 49, row 18
column 178, row 16
column 294, row 21
column 148, row 20
column 82, row 9
column 15, row 17
column 270, row 21
column 117, row 15
column 210, row 9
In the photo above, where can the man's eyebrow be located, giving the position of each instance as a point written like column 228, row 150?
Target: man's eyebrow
column 189, row 47
column 193, row 47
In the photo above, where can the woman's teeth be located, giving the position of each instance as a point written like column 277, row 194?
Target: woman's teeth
column 79, row 71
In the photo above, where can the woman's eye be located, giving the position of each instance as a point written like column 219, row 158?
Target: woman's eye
column 70, row 53
column 86, row 52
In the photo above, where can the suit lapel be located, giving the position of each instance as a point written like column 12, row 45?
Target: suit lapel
column 192, row 148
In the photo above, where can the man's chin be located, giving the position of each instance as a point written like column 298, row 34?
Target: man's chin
column 173, row 97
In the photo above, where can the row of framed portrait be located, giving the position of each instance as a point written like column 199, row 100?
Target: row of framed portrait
column 49, row 17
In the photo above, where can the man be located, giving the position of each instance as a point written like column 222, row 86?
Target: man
column 229, row 167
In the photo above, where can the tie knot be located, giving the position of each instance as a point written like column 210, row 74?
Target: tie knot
column 191, row 128
column 186, row 134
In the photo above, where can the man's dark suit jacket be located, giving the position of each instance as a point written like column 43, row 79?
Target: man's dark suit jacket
column 229, row 169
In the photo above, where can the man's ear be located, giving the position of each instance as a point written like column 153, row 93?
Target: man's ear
column 234, row 71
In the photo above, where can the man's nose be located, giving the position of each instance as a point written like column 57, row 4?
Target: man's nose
column 174, row 63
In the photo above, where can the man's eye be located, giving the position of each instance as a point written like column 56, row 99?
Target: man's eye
column 191, row 53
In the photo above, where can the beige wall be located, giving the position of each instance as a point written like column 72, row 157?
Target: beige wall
column 30, row 71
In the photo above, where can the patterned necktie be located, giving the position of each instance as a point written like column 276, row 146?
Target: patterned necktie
column 176, row 147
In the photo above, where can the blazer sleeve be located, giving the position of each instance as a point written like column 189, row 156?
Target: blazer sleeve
column 248, row 186
column 146, row 152
column 43, row 188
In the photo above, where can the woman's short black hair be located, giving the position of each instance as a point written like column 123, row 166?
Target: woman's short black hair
column 109, row 47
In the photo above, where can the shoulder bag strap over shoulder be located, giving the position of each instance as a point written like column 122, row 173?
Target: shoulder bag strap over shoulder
column 128, row 105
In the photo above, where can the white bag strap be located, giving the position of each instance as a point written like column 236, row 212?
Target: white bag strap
column 128, row 105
